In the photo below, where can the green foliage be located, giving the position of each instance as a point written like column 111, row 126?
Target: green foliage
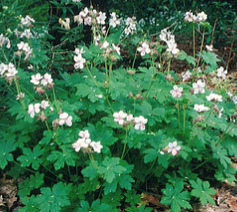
column 176, row 197
column 202, row 191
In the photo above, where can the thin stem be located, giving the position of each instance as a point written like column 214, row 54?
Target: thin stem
column 46, row 123
column 92, row 160
column 110, row 70
column 106, row 71
column 225, row 133
column 184, row 119
column 202, row 42
column 178, row 111
column 91, row 76
column 55, row 99
column 135, row 57
column 169, row 63
column 125, row 144
column 194, row 40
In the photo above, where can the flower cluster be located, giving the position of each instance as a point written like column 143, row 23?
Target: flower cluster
column 187, row 76
column 5, row 41
column 221, row 73
column 79, row 60
column 123, row 119
column 65, row 23
column 64, row 118
column 130, row 25
column 201, row 108
column 172, row 148
column 8, row 71
column 199, row 87
column 177, row 91
column 25, row 48
column 169, row 39
column 85, row 142
column 35, row 108
column 45, row 80
column 26, row 33
column 190, row 17
column 108, row 50
column 27, row 21
column 214, row 97
column 144, row 49
column 114, row 21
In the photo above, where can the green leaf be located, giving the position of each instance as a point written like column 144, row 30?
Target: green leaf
column 90, row 172
column 221, row 154
column 53, row 200
column 231, row 145
column 113, row 199
column 175, row 197
column 31, row 157
column 133, row 198
column 210, row 58
column 96, row 206
column 67, row 156
column 33, row 182
column 110, row 168
column 6, row 147
column 202, row 191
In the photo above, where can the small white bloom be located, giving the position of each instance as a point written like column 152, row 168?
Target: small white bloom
column 27, row 33
column 20, row 96
column 27, row 20
column 119, row 117
column 64, row 118
column 173, row 148
column 116, row 48
column 187, row 75
column 80, row 143
column 101, row 18
column 80, row 61
column 11, row 70
column 234, row 99
column 105, row 45
column 46, row 80
column 144, row 49
column 96, row 146
column 190, row 17
column 209, row 48
column 99, row 96
column 35, row 79
column 177, row 91
column 199, row 87
column 221, row 72
column 214, row 97
column 201, row 108
column 84, row 134
column 129, row 118
column 113, row 20
column 140, row 123
column 220, row 113
column 65, row 23
column 44, row 104
column 202, row 16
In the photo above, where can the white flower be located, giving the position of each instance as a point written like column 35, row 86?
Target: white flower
column 119, row 117
column 173, row 148
column 166, row 35
column 100, row 96
column 221, row 72
column 65, row 23
column 105, row 45
column 3, row 68
column 172, row 47
column 87, row 21
column 214, row 97
column 27, row 20
column 144, row 49
column 190, row 17
column 84, row 134
column 202, row 16
column 116, row 48
column 64, row 118
column 32, row 109
column 176, row 92
column 35, row 79
column 140, row 123
column 201, row 108
column 20, row 96
column 96, row 146
column 129, row 118
column 113, row 20
column 234, row 99
column 80, row 143
column 209, row 48
column 80, row 61
column 220, row 112
column 46, row 80
column 44, row 104
column 76, row 0
column 130, row 25
column 27, row 33
column 11, row 70
column 97, row 39
column 187, row 75
column 101, row 18
column 199, row 87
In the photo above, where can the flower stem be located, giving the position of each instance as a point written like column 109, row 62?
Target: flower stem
column 184, row 119
column 125, row 144
column 194, row 40
column 55, row 99
column 202, row 42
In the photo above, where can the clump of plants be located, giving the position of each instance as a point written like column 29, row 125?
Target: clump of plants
column 100, row 135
